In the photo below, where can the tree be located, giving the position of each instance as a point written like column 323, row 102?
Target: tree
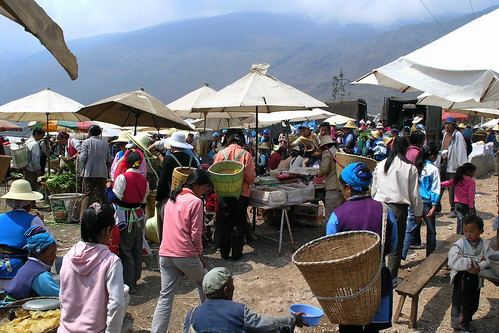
column 339, row 83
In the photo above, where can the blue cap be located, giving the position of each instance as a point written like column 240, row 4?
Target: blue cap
column 224, row 131
column 451, row 120
column 253, row 133
column 266, row 131
column 216, row 134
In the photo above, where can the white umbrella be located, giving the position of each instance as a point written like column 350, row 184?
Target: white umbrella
column 268, row 119
column 460, row 67
column 183, row 106
column 338, row 119
column 257, row 92
column 42, row 106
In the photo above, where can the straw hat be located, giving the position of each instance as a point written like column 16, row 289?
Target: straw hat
column 462, row 125
column 124, row 136
column 297, row 148
column 141, row 140
column 21, row 190
column 326, row 139
column 496, row 128
column 177, row 140
column 376, row 134
column 387, row 140
column 350, row 124
column 334, row 124
column 171, row 131
column 264, row 146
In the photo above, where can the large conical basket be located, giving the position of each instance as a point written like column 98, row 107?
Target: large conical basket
column 343, row 272
column 345, row 159
column 179, row 176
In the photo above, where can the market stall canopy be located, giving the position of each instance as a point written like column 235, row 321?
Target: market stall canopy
column 258, row 91
column 42, row 106
column 183, row 106
column 458, row 116
column 460, row 67
column 33, row 18
column 6, row 126
column 135, row 108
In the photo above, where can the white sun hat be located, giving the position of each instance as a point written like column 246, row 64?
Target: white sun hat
column 177, row 140
column 21, row 190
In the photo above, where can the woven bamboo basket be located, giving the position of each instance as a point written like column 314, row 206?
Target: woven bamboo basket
column 227, row 178
column 343, row 272
column 345, row 159
column 179, row 176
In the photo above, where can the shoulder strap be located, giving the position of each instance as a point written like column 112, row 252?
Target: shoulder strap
column 334, row 158
column 225, row 154
column 176, row 160
column 383, row 228
column 191, row 328
column 240, row 155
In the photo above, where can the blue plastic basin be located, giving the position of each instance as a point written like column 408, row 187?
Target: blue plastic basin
column 312, row 314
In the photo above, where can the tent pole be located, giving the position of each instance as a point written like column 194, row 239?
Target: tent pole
column 256, row 140
column 204, row 126
column 136, row 122
column 47, row 142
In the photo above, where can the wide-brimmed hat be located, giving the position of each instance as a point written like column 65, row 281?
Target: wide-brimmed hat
column 21, row 190
column 326, row 139
column 124, row 136
column 264, row 146
column 496, row 128
column 350, row 124
column 141, row 140
column 451, row 120
column 387, row 139
column 416, row 120
column 461, row 125
column 171, row 131
column 376, row 134
column 334, row 123
column 177, row 140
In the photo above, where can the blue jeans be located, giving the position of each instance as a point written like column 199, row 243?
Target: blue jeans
column 461, row 211
column 413, row 231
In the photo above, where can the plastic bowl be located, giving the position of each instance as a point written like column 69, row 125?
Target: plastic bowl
column 493, row 259
column 312, row 314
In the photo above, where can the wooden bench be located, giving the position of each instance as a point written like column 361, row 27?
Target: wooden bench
column 413, row 284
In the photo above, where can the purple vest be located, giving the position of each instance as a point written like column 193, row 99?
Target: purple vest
column 20, row 286
column 363, row 213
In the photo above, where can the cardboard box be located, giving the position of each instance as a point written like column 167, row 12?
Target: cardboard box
column 308, row 209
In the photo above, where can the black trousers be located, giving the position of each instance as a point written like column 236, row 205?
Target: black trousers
column 465, row 298
column 229, row 226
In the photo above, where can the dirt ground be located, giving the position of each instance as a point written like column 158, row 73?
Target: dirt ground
column 268, row 283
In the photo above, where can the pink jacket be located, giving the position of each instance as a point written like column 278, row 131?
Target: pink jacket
column 464, row 192
column 182, row 226
column 92, row 297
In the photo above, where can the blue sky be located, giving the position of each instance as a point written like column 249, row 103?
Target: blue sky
column 84, row 18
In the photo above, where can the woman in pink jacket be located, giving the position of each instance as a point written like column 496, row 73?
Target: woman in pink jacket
column 181, row 246
column 92, row 290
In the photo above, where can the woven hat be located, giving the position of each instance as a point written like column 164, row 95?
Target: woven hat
column 376, row 134
column 297, row 148
column 171, row 131
column 496, row 128
column 334, row 123
column 461, row 125
column 350, row 124
column 124, row 136
column 21, row 190
column 177, row 140
column 264, row 146
column 326, row 139
column 141, row 140
column 387, row 140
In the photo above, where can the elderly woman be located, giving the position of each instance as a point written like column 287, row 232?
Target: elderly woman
column 13, row 226
column 361, row 212
column 34, row 278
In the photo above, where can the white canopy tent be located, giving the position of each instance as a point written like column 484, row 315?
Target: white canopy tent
column 268, row 119
column 183, row 106
column 461, row 67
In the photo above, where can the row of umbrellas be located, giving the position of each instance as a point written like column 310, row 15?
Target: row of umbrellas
column 236, row 104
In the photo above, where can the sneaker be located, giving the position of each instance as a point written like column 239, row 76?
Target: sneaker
column 452, row 215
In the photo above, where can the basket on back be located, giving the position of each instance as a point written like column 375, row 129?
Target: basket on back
column 227, row 178
column 179, row 176
column 345, row 159
column 343, row 273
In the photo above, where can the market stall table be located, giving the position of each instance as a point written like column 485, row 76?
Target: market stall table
column 487, row 274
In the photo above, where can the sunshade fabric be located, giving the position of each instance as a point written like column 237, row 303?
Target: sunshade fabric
column 183, row 106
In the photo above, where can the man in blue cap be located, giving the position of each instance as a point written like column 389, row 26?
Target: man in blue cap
column 453, row 156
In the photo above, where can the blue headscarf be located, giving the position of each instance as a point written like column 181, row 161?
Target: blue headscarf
column 38, row 239
column 357, row 178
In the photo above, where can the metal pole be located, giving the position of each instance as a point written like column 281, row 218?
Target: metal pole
column 47, row 142
column 256, row 140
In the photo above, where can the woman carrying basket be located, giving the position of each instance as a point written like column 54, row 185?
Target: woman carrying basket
column 361, row 212
column 231, row 219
